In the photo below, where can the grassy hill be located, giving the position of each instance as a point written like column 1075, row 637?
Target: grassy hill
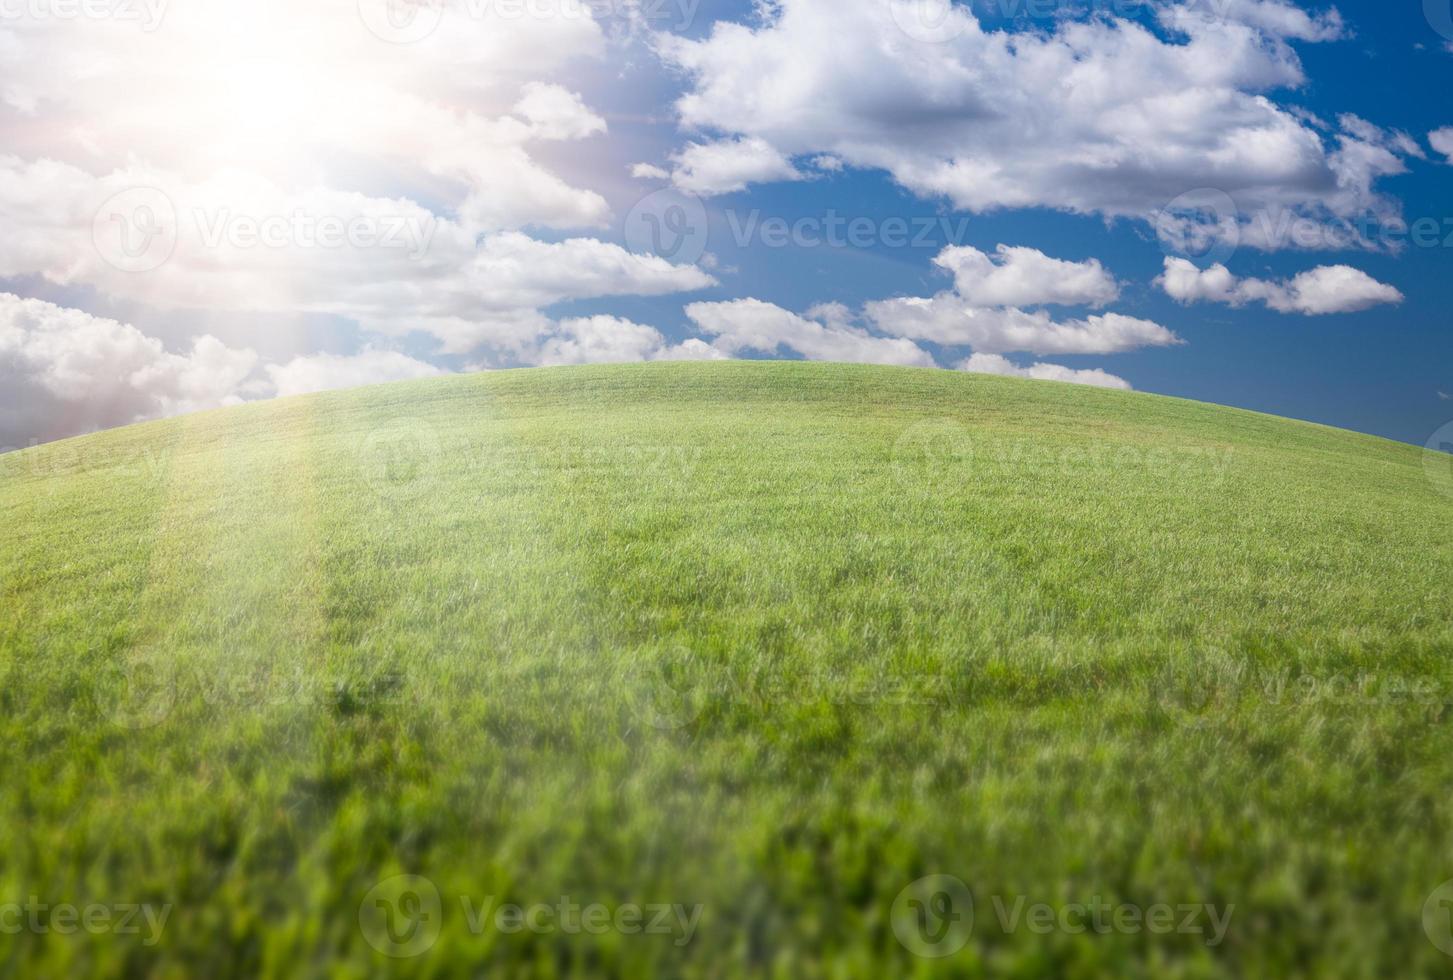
column 777, row 640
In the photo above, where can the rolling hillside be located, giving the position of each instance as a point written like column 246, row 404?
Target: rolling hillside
column 772, row 639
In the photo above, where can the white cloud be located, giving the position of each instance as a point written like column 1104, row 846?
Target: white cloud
column 1276, row 19
column 1019, row 276
column 983, row 311
column 1441, row 140
column 1094, row 116
column 649, row 171
column 729, row 165
column 692, row 349
column 949, row 320
column 556, row 113
column 750, row 324
column 68, row 372
column 1325, row 289
column 998, row 364
column 65, row 372
column 295, row 116
column 394, row 266
column 612, row 340
column 328, row 372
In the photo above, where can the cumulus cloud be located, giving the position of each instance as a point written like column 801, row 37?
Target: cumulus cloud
column 69, row 372
column 1273, row 17
column 556, row 113
column 729, row 165
column 1102, row 116
column 239, row 242
column 649, row 171
column 328, row 372
column 1441, row 140
column 950, row 320
column 1325, row 289
column 66, row 372
column 295, row 116
column 1019, row 276
column 753, row 325
column 613, row 340
column 998, row 364
column 984, row 312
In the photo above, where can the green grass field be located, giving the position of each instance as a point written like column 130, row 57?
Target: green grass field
column 774, row 640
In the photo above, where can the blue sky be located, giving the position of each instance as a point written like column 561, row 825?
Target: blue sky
column 520, row 143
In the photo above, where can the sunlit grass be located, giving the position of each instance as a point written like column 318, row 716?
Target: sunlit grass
column 777, row 639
